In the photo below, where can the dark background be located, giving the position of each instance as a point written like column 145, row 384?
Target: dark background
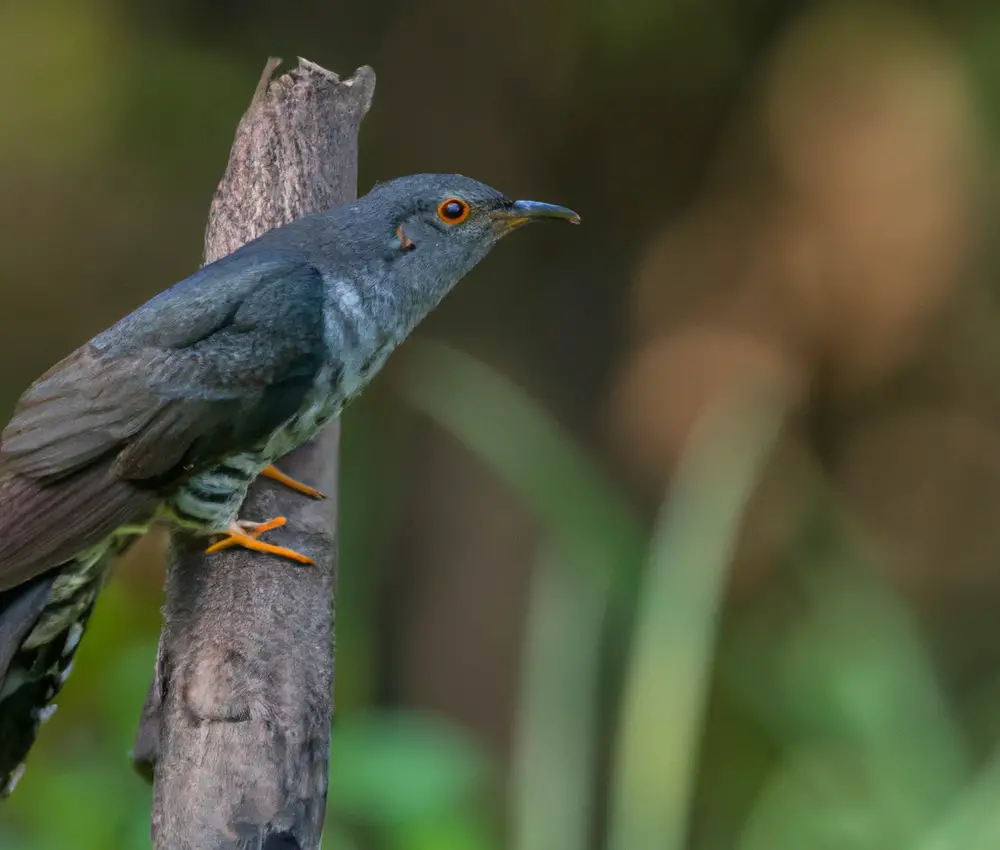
column 795, row 196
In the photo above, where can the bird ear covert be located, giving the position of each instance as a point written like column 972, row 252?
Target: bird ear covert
column 453, row 211
column 405, row 243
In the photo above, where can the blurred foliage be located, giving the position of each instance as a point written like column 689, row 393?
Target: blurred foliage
column 588, row 596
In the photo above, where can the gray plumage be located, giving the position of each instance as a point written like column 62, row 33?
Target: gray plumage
column 173, row 411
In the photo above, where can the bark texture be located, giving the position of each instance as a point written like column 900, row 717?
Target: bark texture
column 235, row 730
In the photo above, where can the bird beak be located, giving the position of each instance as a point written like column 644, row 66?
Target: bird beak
column 524, row 212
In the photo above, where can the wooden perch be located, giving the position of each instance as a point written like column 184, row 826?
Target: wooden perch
column 236, row 728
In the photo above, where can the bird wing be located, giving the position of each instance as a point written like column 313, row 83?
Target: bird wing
column 44, row 525
column 211, row 366
column 169, row 390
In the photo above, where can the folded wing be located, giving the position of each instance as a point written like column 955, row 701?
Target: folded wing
column 169, row 390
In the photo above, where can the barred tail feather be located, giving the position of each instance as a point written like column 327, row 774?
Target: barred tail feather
column 57, row 544
column 32, row 672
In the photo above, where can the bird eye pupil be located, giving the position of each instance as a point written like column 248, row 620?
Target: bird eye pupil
column 453, row 211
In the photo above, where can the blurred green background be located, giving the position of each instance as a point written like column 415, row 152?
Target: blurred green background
column 677, row 530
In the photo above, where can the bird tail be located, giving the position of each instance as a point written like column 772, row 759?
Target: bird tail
column 52, row 566
column 32, row 672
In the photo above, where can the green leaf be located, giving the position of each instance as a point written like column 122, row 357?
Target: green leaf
column 390, row 769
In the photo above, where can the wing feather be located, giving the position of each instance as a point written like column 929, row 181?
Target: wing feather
column 219, row 387
column 44, row 525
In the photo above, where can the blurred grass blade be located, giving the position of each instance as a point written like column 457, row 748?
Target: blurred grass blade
column 879, row 680
column 553, row 761
column 842, row 679
column 528, row 450
column 673, row 645
column 592, row 527
column 973, row 821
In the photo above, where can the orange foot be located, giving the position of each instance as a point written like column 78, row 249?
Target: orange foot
column 244, row 534
column 276, row 474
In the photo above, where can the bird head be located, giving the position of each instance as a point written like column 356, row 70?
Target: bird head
column 432, row 210
column 432, row 229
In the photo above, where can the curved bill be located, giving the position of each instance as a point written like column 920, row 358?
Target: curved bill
column 525, row 212
column 536, row 209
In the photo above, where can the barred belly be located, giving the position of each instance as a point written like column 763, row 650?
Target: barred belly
column 210, row 500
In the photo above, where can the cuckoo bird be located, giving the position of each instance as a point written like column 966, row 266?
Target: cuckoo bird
column 172, row 412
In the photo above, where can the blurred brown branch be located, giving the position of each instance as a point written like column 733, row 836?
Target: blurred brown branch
column 235, row 731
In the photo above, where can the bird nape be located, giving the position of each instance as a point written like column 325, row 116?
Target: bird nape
column 171, row 413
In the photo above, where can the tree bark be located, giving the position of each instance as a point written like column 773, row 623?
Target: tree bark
column 235, row 731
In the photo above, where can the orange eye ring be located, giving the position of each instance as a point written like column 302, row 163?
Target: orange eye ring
column 453, row 211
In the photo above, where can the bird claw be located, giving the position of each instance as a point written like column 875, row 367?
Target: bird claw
column 256, row 529
column 245, row 534
column 276, row 474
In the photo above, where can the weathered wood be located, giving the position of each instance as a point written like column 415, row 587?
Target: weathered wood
column 235, row 731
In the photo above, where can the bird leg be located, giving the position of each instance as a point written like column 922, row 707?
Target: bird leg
column 244, row 534
column 276, row 474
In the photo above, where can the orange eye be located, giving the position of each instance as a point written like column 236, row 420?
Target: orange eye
column 453, row 211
